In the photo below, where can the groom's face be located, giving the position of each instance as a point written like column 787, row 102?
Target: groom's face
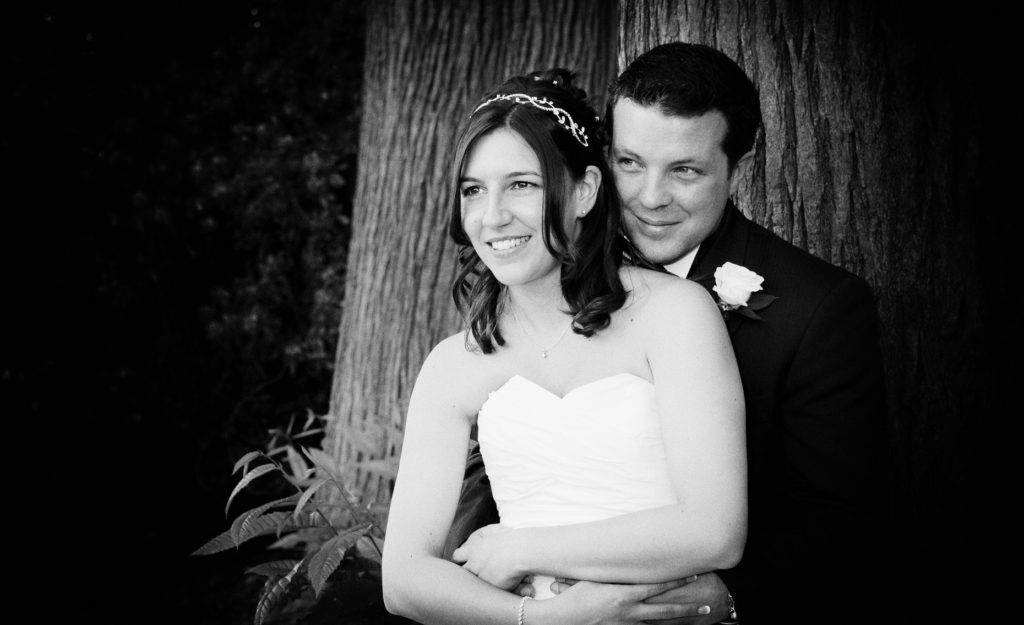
column 673, row 177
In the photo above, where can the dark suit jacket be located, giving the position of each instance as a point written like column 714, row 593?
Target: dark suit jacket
column 814, row 390
column 813, row 384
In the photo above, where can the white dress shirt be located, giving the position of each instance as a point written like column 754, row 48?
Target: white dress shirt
column 682, row 266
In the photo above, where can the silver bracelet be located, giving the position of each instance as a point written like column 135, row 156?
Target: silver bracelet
column 521, row 612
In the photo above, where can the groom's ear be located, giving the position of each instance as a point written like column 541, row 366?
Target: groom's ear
column 586, row 191
column 737, row 172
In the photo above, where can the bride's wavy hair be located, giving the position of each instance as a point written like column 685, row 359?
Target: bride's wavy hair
column 590, row 264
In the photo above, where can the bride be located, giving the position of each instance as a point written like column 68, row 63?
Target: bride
column 606, row 396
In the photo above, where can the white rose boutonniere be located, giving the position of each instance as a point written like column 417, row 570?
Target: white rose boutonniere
column 734, row 284
column 739, row 289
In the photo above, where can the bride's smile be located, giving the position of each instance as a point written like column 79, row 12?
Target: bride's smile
column 507, row 243
column 502, row 200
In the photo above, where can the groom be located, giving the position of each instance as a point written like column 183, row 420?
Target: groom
column 684, row 119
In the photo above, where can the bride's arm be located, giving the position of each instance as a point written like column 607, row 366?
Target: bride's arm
column 417, row 582
column 700, row 401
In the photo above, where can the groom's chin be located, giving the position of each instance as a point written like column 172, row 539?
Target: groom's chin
column 658, row 252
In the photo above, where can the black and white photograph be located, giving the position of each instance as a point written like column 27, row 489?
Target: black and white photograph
column 457, row 312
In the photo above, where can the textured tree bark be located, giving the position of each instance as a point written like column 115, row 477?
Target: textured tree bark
column 426, row 62
column 870, row 159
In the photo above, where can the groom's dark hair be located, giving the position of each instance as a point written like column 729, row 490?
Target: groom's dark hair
column 688, row 80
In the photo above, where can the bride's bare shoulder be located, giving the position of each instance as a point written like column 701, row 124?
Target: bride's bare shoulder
column 456, row 352
column 450, row 376
column 659, row 290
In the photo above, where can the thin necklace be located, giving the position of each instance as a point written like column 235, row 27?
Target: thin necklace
column 543, row 350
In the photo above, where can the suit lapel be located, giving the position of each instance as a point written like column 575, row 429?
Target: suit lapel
column 730, row 242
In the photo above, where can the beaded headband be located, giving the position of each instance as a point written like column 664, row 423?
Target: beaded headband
column 562, row 116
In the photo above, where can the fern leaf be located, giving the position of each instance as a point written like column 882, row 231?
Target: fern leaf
column 275, row 523
column 250, row 476
column 297, row 482
column 368, row 549
column 218, row 543
column 296, row 462
column 242, row 521
column 327, row 559
column 308, row 433
column 359, row 514
column 290, row 521
column 301, row 481
column 257, row 526
column 322, row 461
column 311, row 418
column 273, row 591
column 309, row 493
column 276, row 451
column 304, row 537
column 269, row 569
column 243, row 530
column 245, row 460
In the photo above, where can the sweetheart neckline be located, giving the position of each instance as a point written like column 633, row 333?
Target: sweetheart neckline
column 574, row 389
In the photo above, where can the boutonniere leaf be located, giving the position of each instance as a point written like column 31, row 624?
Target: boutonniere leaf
column 757, row 301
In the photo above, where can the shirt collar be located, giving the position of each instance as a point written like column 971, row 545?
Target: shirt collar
column 682, row 266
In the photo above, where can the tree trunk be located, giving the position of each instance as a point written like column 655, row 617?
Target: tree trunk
column 870, row 160
column 426, row 62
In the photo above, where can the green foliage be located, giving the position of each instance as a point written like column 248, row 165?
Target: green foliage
column 328, row 530
column 274, row 592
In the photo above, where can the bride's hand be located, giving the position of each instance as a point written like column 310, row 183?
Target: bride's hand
column 491, row 553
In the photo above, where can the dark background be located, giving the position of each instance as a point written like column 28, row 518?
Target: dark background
column 179, row 179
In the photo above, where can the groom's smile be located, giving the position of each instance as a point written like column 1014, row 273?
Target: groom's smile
column 653, row 227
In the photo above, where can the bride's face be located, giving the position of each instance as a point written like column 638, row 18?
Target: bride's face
column 502, row 202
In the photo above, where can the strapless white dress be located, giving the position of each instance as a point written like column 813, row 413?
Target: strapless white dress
column 597, row 452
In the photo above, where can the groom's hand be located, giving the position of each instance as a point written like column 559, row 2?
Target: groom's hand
column 707, row 590
column 659, row 604
column 611, row 604
column 525, row 587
